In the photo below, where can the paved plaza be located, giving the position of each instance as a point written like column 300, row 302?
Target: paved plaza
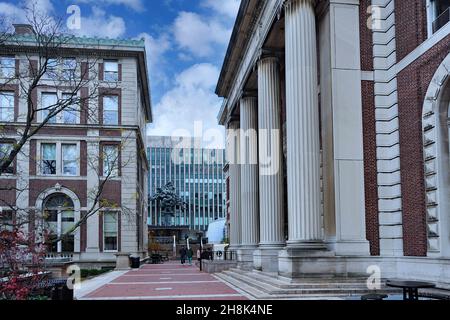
column 169, row 281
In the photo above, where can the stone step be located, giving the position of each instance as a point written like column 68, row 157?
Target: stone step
column 249, row 290
column 304, row 283
column 259, row 285
column 263, row 286
column 309, row 282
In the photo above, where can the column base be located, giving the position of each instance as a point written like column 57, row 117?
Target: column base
column 234, row 247
column 306, row 245
column 265, row 258
column 245, row 256
column 122, row 261
column 298, row 262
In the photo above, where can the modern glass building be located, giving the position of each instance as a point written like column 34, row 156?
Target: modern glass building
column 197, row 175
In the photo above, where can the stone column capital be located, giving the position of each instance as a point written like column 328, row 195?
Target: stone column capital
column 288, row 3
column 269, row 54
column 233, row 122
column 249, row 94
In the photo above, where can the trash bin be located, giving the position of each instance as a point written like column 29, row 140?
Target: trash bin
column 60, row 291
column 135, row 262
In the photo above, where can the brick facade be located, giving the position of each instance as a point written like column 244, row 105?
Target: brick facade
column 410, row 26
column 37, row 186
column 365, row 36
column 413, row 82
column 369, row 134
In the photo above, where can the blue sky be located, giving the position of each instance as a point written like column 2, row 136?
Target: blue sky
column 186, row 41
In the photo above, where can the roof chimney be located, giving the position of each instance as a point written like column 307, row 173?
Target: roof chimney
column 23, row 29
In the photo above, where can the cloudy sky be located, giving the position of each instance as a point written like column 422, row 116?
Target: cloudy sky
column 186, row 42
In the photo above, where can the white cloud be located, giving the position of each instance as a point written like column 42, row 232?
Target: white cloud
column 191, row 100
column 199, row 35
column 136, row 5
column 99, row 24
column 229, row 8
column 156, row 48
column 17, row 13
column 44, row 7
column 11, row 11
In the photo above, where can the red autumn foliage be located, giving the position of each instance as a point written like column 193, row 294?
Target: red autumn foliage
column 21, row 262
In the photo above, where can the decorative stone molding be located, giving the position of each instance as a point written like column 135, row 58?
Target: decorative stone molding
column 431, row 152
column 387, row 131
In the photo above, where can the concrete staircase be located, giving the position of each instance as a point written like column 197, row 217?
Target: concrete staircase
column 264, row 286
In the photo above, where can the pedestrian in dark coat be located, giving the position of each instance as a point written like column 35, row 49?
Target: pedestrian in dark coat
column 190, row 254
column 183, row 255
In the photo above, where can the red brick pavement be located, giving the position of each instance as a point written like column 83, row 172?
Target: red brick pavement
column 169, row 281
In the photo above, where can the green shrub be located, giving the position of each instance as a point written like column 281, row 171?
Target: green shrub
column 86, row 273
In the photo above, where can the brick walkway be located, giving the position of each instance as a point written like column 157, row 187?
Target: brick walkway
column 168, row 281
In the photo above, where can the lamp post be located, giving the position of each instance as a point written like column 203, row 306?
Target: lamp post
column 174, row 246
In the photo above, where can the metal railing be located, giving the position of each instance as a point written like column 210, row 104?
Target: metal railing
column 162, row 240
column 442, row 20
column 58, row 257
column 226, row 255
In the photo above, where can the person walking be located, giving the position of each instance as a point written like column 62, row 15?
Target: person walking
column 199, row 256
column 183, row 255
column 190, row 254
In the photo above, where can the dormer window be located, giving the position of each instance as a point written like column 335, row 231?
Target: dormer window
column 439, row 13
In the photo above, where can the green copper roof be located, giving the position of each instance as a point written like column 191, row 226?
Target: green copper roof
column 87, row 41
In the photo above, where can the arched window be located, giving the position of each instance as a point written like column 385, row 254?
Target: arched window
column 59, row 219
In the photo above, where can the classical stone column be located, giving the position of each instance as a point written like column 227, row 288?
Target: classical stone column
column 302, row 112
column 233, row 151
column 249, row 172
column 270, row 155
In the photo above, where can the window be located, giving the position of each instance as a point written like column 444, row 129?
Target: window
column 5, row 150
column 7, row 67
column 6, row 220
column 69, row 69
column 111, row 110
column 51, row 102
column 110, row 230
column 59, row 218
column 110, row 161
column 48, row 156
column 69, row 160
column 52, row 69
column 48, row 105
column 71, row 113
column 59, row 159
column 440, row 13
column 111, row 72
column 7, row 106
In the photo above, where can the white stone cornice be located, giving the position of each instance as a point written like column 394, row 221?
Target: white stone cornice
column 251, row 53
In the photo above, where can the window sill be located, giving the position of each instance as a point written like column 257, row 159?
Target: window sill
column 8, row 175
column 57, row 176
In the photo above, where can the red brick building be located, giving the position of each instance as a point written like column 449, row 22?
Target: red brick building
column 95, row 147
